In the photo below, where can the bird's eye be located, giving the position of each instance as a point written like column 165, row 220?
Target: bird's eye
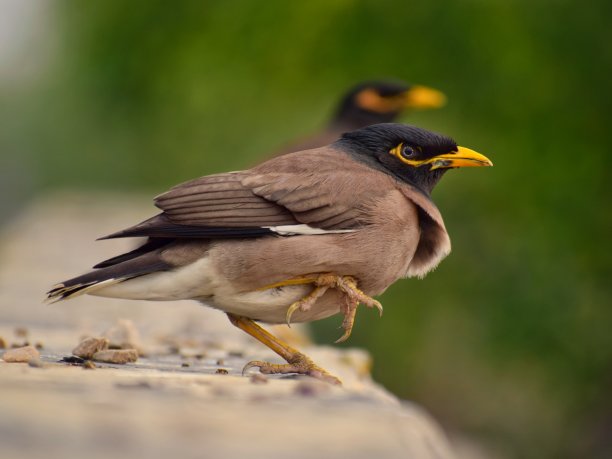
column 408, row 152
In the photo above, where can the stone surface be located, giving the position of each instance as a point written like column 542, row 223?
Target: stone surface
column 156, row 407
column 20, row 354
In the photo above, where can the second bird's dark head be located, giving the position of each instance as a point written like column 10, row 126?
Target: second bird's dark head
column 382, row 101
column 409, row 153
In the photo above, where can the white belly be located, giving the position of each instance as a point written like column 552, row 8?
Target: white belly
column 199, row 281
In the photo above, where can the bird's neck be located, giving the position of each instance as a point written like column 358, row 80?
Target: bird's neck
column 422, row 178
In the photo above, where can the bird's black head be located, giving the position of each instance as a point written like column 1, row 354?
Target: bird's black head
column 411, row 154
column 373, row 102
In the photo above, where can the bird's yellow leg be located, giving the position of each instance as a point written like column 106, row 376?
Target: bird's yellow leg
column 296, row 361
column 301, row 280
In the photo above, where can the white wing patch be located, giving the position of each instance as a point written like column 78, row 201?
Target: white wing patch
column 295, row 230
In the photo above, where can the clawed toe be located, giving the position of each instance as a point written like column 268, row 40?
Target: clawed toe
column 347, row 285
column 300, row 365
column 306, row 303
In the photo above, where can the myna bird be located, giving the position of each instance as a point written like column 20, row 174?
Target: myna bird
column 298, row 238
column 372, row 102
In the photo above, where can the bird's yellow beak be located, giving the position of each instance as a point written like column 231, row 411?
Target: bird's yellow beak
column 463, row 157
column 423, row 97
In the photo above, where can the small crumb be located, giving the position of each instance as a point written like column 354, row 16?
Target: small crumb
column 235, row 354
column 116, row 356
column 36, row 363
column 89, row 365
column 220, row 362
column 21, row 332
column 2, row 343
column 21, row 354
column 200, row 356
column 221, row 371
column 89, row 346
column 185, row 364
column 39, row 345
column 258, row 378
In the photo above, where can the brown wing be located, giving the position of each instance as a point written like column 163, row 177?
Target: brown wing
column 221, row 200
column 311, row 192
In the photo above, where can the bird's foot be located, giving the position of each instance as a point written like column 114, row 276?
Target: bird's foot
column 323, row 282
column 298, row 363
column 348, row 285
column 353, row 298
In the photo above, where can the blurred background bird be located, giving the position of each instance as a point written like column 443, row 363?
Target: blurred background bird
column 371, row 102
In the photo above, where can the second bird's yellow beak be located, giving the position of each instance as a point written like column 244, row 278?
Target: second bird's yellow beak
column 423, row 97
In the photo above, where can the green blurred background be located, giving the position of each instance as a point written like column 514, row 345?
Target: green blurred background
column 510, row 339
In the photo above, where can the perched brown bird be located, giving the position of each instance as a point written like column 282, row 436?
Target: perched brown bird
column 298, row 238
column 372, row 102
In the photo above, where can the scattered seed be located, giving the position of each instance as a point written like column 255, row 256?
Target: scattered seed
column 220, row 362
column 89, row 346
column 21, row 354
column 116, row 356
column 221, row 371
column 89, row 365
column 185, row 364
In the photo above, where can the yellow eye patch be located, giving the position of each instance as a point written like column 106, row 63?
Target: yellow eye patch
column 461, row 157
column 397, row 152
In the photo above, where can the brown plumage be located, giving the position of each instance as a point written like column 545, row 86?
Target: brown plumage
column 254, row 243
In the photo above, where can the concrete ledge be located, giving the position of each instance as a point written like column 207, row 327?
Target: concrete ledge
column 175, row 402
